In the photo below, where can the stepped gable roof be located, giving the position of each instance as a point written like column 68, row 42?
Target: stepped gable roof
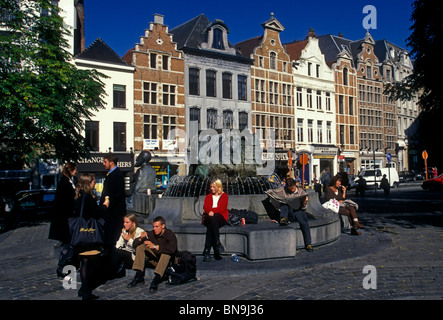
column 99, row 51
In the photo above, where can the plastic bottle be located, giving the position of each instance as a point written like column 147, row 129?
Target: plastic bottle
column 235, row 258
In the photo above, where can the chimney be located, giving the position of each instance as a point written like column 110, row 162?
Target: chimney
column 311, row 33
column 158, row 18
column 341, row 35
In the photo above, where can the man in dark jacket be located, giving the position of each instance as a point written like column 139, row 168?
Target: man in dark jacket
column 292, row 202
column 113, row 197
column 159, row 247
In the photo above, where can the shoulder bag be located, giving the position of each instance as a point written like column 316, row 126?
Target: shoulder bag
column 86, row 233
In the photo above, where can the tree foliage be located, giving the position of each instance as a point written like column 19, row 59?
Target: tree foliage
column 43, row 96
column 426, row 43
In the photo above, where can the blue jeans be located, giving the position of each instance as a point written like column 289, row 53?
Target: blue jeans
column 302, row 218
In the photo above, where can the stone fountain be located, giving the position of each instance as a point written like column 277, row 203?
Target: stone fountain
column 182, row 206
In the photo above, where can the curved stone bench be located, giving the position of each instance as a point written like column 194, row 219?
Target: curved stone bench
column 264, row 240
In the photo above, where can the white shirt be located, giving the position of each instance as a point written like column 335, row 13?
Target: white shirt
column 215, row 199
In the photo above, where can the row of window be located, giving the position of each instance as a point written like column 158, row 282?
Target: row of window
column 375, row 141
column 157, row 61
column 299, row 101
column 310, row 131
column 271, row 93
column 211, row 84
column 369, row 93
column 281, row 125
column 213, row 118
column 154, row 93
column 92, row 130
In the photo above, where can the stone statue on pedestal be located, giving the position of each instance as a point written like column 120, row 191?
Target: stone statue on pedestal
column 144, row 177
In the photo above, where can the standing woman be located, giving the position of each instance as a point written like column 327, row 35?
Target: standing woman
column 124, row 253
column 215, row 216
column 64, row 209
column 338, row 192
column 89, row 256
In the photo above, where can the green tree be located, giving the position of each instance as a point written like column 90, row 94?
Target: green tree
column 43, row 96
column 426, row 43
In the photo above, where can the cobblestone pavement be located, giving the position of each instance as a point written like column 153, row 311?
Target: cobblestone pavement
column 402, row 242
column 407, row 255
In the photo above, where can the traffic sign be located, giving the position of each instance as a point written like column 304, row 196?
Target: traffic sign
column 424, row 155
column 389, row 157
column 304, row 159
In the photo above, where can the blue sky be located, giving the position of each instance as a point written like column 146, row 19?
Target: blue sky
column 121, row 23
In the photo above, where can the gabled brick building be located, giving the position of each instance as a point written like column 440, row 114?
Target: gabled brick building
column 159, row 100
column 271, row 90
column 339, row 56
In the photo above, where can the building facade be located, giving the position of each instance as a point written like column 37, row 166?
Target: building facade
column 378, row 129
column 159, row 100
column 111, row 128
column 397, row 65
column 314, row 100
column 339, row 56
column 272, row 93
column 217, row 78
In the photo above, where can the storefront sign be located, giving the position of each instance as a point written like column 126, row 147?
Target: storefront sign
column 325, row 151
column 279, row 156
column 95, row 162
column 169, row 144
column 150, row 144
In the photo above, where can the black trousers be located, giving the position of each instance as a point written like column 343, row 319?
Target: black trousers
column 120, row 258
column 213, row 224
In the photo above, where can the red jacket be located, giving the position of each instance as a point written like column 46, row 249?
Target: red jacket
column 222, row 206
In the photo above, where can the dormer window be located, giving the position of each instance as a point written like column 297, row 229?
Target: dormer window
column 217, row 38
column 217, row 42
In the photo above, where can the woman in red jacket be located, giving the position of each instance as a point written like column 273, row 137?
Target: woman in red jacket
column 215, row 216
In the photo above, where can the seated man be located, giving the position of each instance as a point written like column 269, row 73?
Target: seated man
column 292, row 202
column 159, row 247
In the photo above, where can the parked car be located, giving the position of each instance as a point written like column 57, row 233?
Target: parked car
column 406, row 176
column 419, row 176
column 32, row 205
column 433, row 184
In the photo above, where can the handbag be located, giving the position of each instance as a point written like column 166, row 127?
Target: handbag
column 86, row 233
column 333, row 205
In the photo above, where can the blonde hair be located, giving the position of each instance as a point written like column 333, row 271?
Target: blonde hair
column 84, row 185
column 219, row 185
column 133, row 218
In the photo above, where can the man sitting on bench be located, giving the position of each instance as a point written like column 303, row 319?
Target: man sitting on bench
column 159, row 247
column 292, row 202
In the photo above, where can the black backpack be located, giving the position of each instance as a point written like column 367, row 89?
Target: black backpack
column 236, row 215
column 184, row 271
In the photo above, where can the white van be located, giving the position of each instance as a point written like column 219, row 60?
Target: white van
column 374, row 176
